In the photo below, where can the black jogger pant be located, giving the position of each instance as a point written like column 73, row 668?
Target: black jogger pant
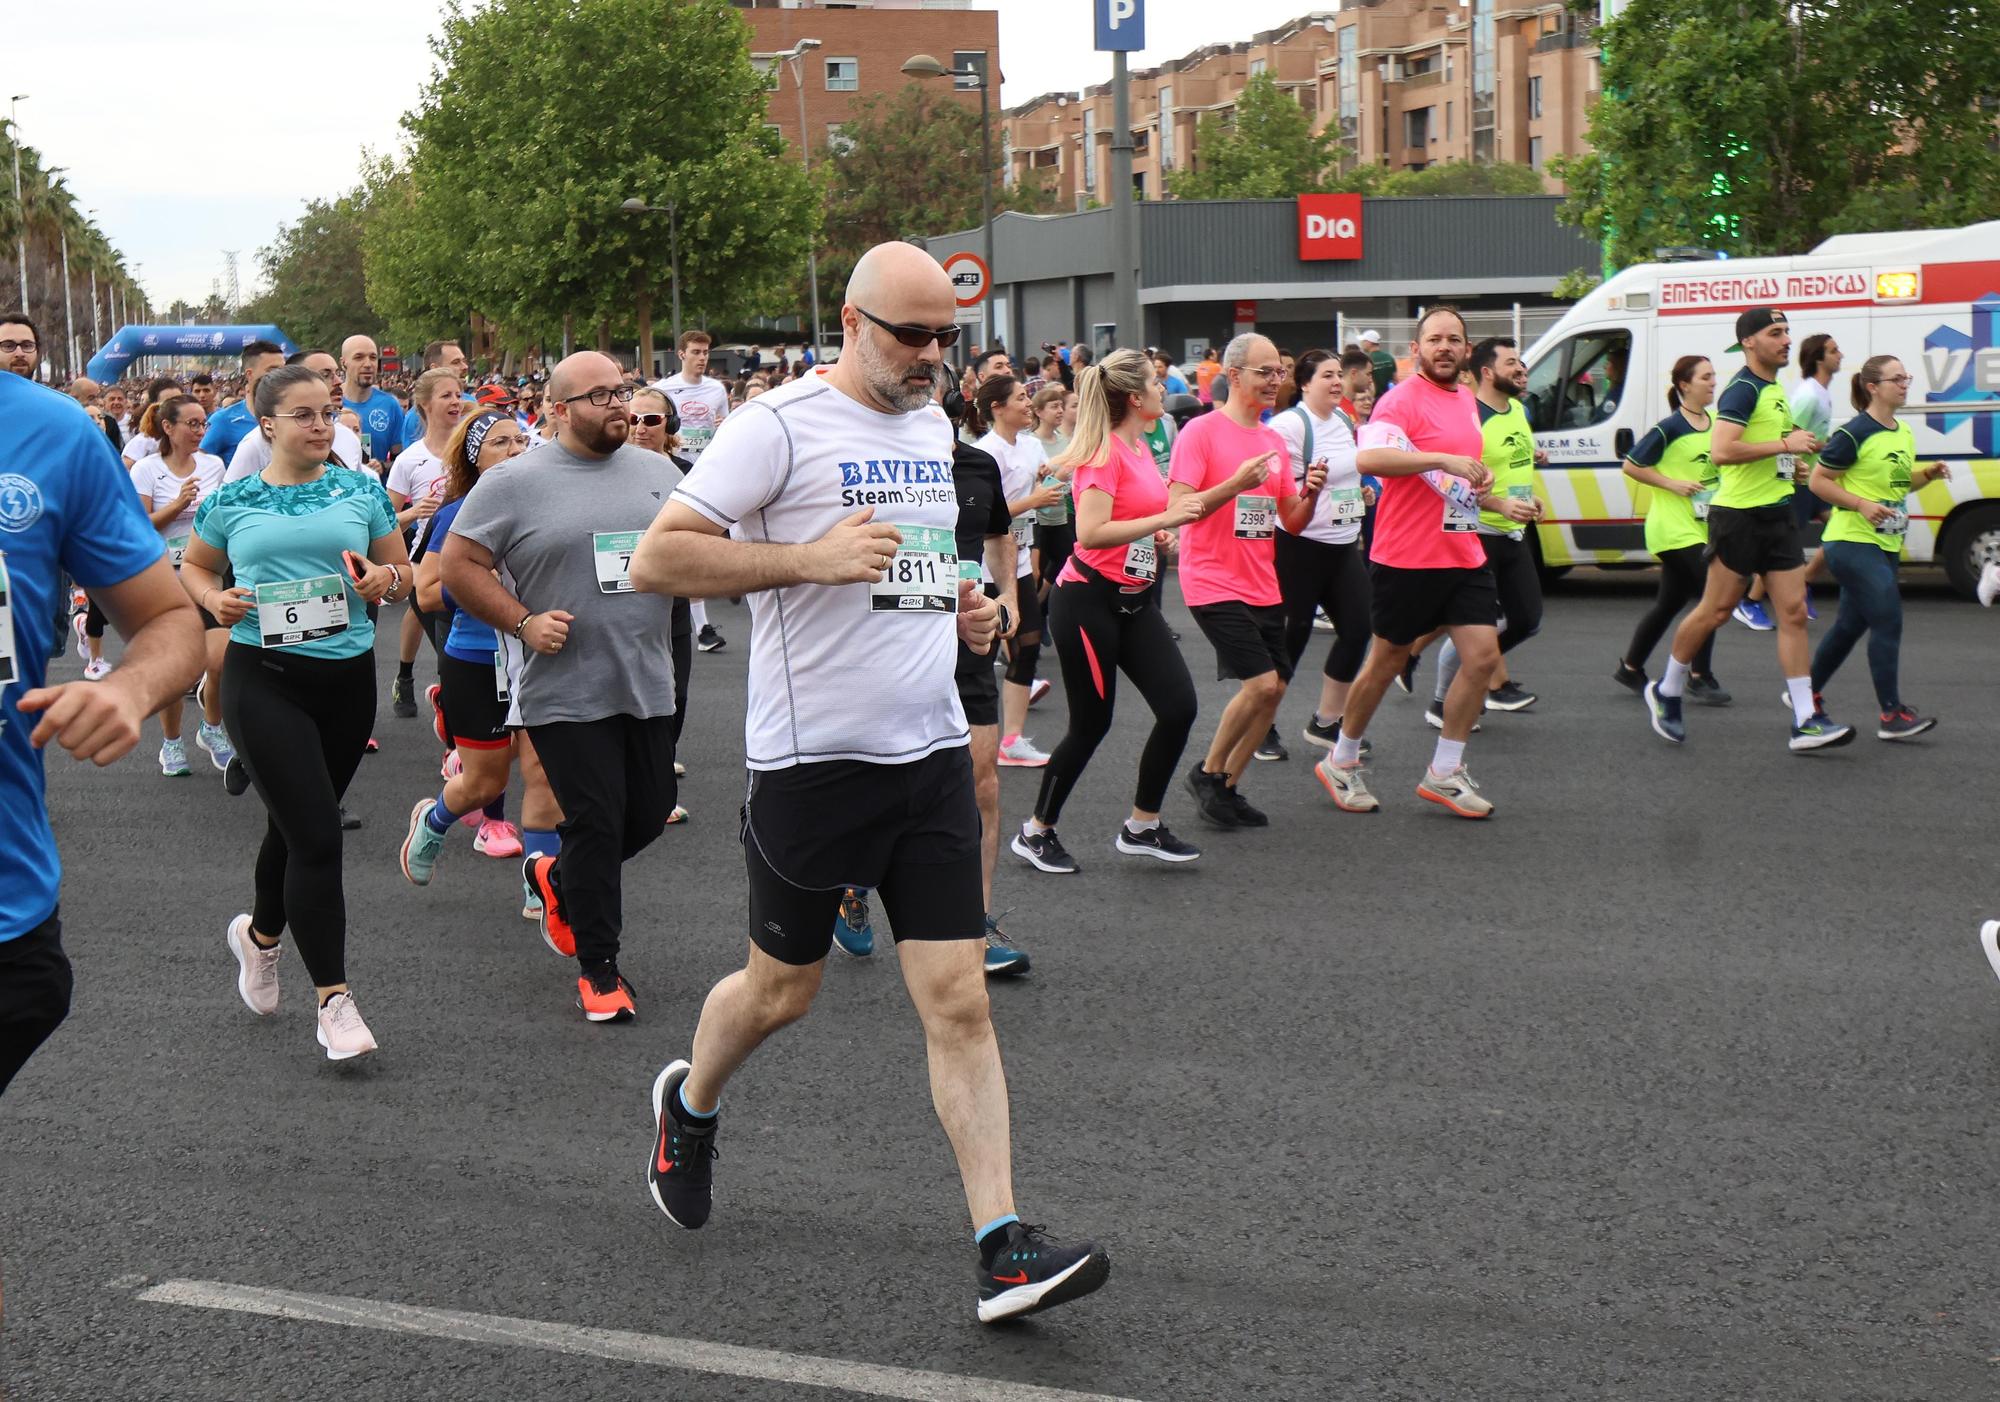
column 1683, row 578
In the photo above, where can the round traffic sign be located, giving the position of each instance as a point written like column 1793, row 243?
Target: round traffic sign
column 970, row 278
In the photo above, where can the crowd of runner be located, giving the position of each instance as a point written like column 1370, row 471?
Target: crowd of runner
column 916, row 549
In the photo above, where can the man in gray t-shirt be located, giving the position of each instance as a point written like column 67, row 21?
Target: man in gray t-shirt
column 597, row 687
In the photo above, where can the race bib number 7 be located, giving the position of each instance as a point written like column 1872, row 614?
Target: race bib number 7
column 923, row 575
column 295, row 611
column 612, row 551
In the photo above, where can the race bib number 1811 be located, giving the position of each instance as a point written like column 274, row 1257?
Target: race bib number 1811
column 923, row 576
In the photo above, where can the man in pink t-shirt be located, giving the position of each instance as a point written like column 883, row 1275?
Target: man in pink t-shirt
column 1426, row 563
column 1240, row 472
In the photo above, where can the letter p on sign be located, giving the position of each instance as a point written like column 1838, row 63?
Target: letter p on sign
column 1121, row 25
column 1329, row 227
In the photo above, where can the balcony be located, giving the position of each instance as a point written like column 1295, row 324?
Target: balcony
column 1424, row 80
column 1566, row 39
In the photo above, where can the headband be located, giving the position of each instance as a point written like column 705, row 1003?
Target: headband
column 475, row 435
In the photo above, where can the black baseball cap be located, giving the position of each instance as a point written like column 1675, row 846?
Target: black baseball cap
column 1756, row 319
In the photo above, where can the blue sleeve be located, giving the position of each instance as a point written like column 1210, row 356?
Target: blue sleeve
column 413, row 425
column 1738, row 402
column 107, row 538
column 1648, row 451
column 440, row 528
column 211, row 439
column 1840, row 452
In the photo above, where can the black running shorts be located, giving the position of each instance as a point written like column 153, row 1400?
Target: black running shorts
column 909, row 831
column 1407, row 604
column 1248, row 640
column 473, row 711
column 1755, row 539
column 35, row 984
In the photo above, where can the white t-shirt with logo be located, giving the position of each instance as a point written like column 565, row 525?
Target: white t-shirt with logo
column 157, row 485
column 1336, row 517
column 1020, row 473
column 702, row 407
column 253, row 454
column 414, row 473
column 139, row 446
column 851, row 671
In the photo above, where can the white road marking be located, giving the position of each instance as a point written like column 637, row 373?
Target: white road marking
column 695, row 1355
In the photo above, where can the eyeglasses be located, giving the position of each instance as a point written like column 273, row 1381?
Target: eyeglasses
column 305, row 418
column 603, row 397
column 649, row 420
column 1895, row 380
column 9, row 347
column 916, row 337
column 190, row 423
column 1265, row 372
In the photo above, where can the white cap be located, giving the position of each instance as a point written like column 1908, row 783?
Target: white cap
column 1375, row 336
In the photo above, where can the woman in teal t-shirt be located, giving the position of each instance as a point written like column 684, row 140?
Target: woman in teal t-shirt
column 313, row 547
column 1866, row 473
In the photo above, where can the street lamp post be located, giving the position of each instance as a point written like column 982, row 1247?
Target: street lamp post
column 671, row 209
column 925, row 66
column 795, row 59
column 20, row 210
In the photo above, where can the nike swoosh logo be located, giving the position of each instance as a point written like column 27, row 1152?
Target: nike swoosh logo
column 665, row 1165
column 1018, row 1278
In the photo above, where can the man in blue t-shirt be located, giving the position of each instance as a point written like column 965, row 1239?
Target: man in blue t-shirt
column 380, row 414
column 66, row 503
column 229, row 427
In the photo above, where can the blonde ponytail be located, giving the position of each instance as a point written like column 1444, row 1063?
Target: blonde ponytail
column 1119, row 374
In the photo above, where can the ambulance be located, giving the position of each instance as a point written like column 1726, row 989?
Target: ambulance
column 1597, row 379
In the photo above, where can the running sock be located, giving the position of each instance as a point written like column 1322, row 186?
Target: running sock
column 1347, row 750
column 541, row 842
column 405, row 670
column 1006, row 740
column 1801, row 693
column 1324, row 722
column 496, row 810
column 1448, row 755
column 688, row 1117
column 1447, row 672
column 1138, row 825
column 1673, row 681
column 1035, row 827
column 992, row 1236
column 698, row 613
column 440, row 817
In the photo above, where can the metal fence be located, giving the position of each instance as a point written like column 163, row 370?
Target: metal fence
column 1524, row 324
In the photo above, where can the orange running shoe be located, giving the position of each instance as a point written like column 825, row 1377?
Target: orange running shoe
column 539, row 874
column 605, row 996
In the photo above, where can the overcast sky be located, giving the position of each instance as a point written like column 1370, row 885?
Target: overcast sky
column 159, row 119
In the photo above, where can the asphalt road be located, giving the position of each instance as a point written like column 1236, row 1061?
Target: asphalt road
column 1674, row 1080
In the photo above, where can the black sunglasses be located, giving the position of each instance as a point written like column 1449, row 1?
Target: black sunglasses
column 916, row 337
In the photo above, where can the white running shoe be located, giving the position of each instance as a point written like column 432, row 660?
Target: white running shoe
column 1345, row 787
column 96, row 670
column 1037, row 689
column 1454, row 791
column 256, row 969
column 1989, row 940
column 341, row 1030
column 174, row 759
column 1988, row 587
column 1022, row 754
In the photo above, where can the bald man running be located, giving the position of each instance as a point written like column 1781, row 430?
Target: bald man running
column 597, row 683
column 830, row 502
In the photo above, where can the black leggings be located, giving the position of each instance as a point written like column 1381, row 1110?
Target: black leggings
column 680, row 647
column 1520, row 587
column 93, row 619
column 1098, row 632
column 1313, row 574
column 1683, row 579
column 1055, row 544
column 300, row 725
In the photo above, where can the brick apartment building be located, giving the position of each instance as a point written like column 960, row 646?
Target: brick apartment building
column 1405, row 82
column 863, row 45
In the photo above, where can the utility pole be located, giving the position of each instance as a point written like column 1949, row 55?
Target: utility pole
column 230, row 273
column 1124, row 219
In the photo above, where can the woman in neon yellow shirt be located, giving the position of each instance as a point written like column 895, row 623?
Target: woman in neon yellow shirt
column 1866, row 473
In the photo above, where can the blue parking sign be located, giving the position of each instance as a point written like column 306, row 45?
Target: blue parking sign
column 1121, row 25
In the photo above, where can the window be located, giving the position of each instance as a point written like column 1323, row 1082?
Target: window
column 1048, row 158
column 1417, row 127
column 769, row 68
column 969, row 58
column 1579, row 383
column 1089, row 150
column 1447, row 121
column 1258, row 65
column 1141, row 140
column 1348, row 77
column 1534, row 153
column 843, row 74
column 1415, row 67
column 1535, row 99
column 1166, row 128
column 1483, row 81
column 837, row 139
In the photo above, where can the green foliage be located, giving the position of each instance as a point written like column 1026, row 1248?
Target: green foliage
column 313, row 275
column 541, row 118
column 1461, row 178
column 1575, row 285
column 910, row 167
column 1269, row 150
column 1764, row 129
column 47, row 214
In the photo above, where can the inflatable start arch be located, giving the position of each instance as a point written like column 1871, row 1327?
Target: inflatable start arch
column 129, row 343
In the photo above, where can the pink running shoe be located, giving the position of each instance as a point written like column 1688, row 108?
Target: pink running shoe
column 498, row 838
column 452, row 766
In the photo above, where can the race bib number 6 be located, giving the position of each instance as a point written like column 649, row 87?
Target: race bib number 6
column 294, row 611
column 923, row 575
column 612, row 552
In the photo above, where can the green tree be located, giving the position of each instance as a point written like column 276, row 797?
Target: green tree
column 313, row 284
column 1268, row 151
column 1764, row 129
column 1462, row 178
column 541, row 118
column 909, row 166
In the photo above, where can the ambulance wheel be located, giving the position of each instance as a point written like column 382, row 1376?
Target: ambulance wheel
column 1971, row 542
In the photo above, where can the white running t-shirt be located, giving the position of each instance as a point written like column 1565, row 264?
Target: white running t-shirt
column 157, row 486
column 1336, row 517
column 702, row 407
column 1020, row 472
column 850, row 671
